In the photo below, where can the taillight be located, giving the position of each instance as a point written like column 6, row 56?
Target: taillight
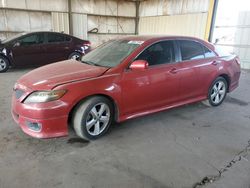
column 86, row 43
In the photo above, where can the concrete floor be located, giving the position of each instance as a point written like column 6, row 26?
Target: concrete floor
column 175, row 148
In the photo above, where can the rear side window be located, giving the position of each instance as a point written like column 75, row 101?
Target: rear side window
column 52, row 37
column 159, row 53
column 68, row 39
column 191, row 50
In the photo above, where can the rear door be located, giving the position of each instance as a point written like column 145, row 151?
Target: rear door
column 156, row 86
column 28, row 51
column 193, row 69
column 57, row 47
column 209, row 69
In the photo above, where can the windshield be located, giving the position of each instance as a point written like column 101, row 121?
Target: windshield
column 13, row 37
column 111, row 54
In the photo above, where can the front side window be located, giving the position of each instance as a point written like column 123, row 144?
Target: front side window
column 208, row 53
column 53, row 38
column 31, row 40
column 159, row 53
column 111, row 54
column 190, row 50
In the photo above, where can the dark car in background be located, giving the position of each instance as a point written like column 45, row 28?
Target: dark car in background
column 39, row 48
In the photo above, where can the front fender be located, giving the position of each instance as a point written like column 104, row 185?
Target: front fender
column 107, row 85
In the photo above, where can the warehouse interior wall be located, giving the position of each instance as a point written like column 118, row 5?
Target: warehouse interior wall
column 182, row 17
column 95, row 20
column 101, row 20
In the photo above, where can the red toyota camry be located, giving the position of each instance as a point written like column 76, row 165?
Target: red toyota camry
column 120, row 80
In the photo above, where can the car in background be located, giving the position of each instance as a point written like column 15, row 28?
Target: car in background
column 40, row 48
column 120, row 80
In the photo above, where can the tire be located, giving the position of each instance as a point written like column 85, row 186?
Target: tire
column 87, row 112
column 75, row 55
column 4, row 64
column 217, row 92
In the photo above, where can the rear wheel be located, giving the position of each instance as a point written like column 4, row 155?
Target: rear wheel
column 75, row 55
column 217, row 92
column 93, row 117
column 4, row 64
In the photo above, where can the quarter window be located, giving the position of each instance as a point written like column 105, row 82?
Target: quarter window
column 159, row 53
column 191, row 50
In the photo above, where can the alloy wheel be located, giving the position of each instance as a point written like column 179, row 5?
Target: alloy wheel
column 218, row 92
column 97, row 119
column 75, row 57
column 3, row 64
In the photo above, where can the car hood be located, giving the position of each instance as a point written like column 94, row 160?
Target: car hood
column 49, row 76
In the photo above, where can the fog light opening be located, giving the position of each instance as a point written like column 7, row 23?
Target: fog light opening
column 34, row 126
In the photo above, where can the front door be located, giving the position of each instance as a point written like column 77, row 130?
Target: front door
column 156, row 86
column 28, row 51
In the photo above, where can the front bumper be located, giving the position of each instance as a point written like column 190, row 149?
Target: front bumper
column 50, row 116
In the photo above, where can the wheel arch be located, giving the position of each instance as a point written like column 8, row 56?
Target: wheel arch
column 114, row 103
column 227, row 78
column 9, row 61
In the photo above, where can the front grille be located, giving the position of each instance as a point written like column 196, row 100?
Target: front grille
column 18, row 93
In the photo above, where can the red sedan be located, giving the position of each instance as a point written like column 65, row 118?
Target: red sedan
column 120, row 80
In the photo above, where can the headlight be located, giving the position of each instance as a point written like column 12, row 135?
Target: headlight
column 44, row 96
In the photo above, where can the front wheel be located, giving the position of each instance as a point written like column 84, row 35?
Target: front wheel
column 217, row 92
column 93, row 117
column 4, row 64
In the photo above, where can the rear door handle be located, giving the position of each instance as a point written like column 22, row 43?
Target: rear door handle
column 173, row 71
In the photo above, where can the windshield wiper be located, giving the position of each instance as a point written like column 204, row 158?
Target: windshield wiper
column 92, row 63
column 88, row 62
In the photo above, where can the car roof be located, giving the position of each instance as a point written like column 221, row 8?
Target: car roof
column 155, row 38
column 60, row 33
column 34, row 32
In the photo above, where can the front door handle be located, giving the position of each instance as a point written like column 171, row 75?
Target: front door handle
column 215, row 62
column 173, row 71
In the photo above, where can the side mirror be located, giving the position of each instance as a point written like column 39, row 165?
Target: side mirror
column 16, row 44
column 139, row 65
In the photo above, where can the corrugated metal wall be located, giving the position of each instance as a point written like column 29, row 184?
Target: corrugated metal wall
column 172, row 7
column 15, row 21
column 188, row 24
column 80, row 23
column 60, row 22
column 42, row 5
column 110, row 17
column 182, row 17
